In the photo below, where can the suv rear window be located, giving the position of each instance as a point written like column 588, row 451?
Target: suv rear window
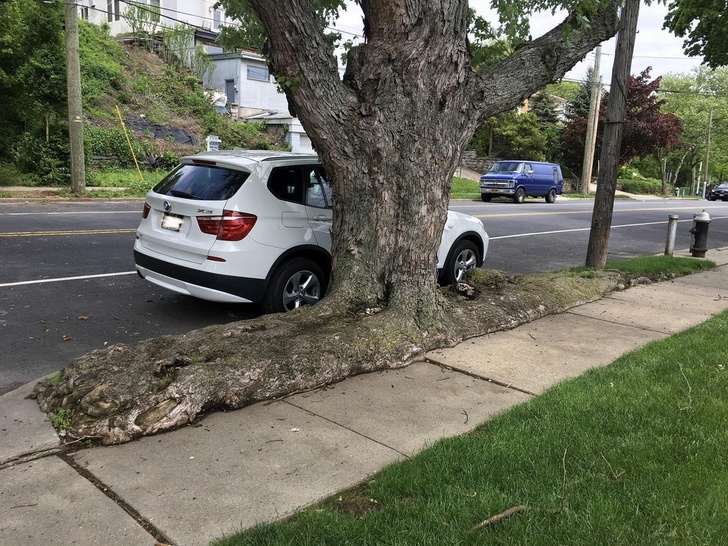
column 202, row 182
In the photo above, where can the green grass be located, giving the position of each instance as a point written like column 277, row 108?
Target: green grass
column 121, row 182
column 632, row 453
column 656, row 268
column 463, row 188
column 661, row 265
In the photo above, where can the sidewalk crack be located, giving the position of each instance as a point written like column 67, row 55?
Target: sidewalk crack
column 148, row 526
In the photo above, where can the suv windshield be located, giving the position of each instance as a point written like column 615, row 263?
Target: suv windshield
column 202, row 182
column 507, row 167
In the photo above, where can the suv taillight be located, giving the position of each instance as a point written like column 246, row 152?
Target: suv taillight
column 145, row 210
column 231, row 226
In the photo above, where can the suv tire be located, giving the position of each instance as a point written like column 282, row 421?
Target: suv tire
column 295, row 283
column 464, row 256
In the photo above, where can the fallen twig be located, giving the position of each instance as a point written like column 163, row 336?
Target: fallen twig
column 498, row 517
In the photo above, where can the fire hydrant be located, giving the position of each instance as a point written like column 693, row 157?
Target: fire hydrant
column 700, row 234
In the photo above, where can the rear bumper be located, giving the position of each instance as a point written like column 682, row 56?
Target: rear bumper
column 200, row 284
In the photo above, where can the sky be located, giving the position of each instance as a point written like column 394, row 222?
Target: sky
column 653, row 47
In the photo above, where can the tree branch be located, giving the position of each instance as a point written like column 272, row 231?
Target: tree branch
column 301, row 60
column 545, row 60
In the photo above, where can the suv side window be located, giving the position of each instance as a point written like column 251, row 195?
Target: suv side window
column 286, row 184
column 318, row 189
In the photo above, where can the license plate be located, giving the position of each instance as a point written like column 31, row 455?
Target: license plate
column 172, row 222
column 493, row 191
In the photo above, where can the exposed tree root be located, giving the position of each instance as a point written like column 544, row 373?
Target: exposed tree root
column 127, row 391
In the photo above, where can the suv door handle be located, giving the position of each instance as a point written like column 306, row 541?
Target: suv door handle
column 322, row 218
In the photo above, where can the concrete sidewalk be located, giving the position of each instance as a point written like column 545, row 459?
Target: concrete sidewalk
column 229, row 471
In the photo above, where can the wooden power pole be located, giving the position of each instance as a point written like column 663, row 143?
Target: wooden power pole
column 707, row 147
column 591, row 125
column 75, row 113
column 596, row 255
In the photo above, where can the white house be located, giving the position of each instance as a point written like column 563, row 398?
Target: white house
column 243, row 77
column 253, row 95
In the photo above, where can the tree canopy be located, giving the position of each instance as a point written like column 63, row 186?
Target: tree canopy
column 647, row 131
column 704, row 25
column 691, row 97
column 32, row 76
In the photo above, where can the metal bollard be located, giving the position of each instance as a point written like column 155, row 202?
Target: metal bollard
column 671, row 230
column 700, row 234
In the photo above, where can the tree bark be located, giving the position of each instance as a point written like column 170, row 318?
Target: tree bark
column 391, row 132
column 611, row 141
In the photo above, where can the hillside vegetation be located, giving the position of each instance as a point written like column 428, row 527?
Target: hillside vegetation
column 163, row 105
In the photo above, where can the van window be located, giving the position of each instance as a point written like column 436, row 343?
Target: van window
column 507, row 167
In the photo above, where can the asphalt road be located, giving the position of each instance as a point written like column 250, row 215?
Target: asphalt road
column 68, row 286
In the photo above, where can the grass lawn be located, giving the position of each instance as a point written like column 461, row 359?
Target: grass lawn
column 463, row 188
column 635, row 453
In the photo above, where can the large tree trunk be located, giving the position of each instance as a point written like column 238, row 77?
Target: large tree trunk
column 391, row 133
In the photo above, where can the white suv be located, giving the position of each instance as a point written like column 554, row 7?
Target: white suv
column 255, row 226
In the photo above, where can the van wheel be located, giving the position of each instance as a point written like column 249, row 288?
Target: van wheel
column 551, row 196
column 519, row 196
column 295, row 284
column 486, row 198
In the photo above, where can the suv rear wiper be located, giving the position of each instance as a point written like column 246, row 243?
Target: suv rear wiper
column 184, row 194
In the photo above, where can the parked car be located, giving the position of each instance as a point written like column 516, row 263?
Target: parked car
column 255, row 226
column 719, row 192
column 518, row 179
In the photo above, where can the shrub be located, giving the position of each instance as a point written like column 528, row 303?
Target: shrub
column 112, row 142
column 646, row 186
column 48, row 159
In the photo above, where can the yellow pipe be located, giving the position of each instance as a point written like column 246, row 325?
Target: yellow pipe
column 131, row 149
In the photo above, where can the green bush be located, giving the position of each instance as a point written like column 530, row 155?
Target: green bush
column 101, row 55
column 112, row 142
column 49, row 159
column 10, row 175
column 647, row 186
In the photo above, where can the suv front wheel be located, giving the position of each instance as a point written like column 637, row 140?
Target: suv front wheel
column 295, row 283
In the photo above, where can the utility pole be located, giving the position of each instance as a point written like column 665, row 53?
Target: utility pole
column 75, row 113
column 707, row 145
column 596, row 255
column 591, row 124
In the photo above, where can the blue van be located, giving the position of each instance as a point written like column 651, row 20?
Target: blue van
column 517, row 179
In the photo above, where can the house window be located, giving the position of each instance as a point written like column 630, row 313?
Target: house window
column 216, row 18
column 84, row 13
column 258, row 73
column 112, row 10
